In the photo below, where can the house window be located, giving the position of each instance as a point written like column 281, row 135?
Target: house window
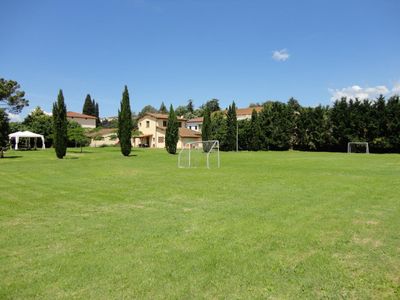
column 140, row 124
column 195, row 127
column 180, row 124
column 161, row 139
column 164, row 123
column 147, row 124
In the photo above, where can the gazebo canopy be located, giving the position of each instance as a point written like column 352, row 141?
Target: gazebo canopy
column 25, row 134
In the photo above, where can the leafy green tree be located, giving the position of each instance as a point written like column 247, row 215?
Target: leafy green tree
column 11, row 97
column 60, row 126
column 181, row 110
column 88, row 106
column 244, row 134
column 393, row 124
column 255, row 142
column 125, row 124
column 147, row 109
column 76, row 134
column 218, row 128
column 172, row 132
column 4, row 131
column 163, row 109
column 213, row 105
column 39, row 122
column 276, row 126
column 231, row 128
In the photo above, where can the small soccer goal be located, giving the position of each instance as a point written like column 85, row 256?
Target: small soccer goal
column 357, row 147
column 201, row 154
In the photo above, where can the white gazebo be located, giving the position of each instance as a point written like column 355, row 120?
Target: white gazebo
column 27, row 135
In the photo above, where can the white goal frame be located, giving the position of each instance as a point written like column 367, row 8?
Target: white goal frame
column 214, row 145
column 358, row 143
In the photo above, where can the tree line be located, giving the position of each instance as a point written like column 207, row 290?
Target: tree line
column 284, row 126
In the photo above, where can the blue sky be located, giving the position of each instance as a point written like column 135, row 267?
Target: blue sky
column 171, row 51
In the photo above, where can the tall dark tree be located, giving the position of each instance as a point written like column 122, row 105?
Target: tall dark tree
column 60, row 137
column 88, row 106
column 255, row 133
column 190, row 106
column 97, row 114
column 231, row 128
column 125, row 125
column 4, row 131
column 163, row 109
column 206, row 128
column 172, row 132
column 11, row 97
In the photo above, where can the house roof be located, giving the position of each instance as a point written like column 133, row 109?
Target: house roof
column 196, row 120
column 71, row 114
column 160, row 116
column 185, row 132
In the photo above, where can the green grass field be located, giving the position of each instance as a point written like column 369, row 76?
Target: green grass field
column 265, row 225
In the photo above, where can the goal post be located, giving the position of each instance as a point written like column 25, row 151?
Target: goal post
column 358, row 147
column 199, row 154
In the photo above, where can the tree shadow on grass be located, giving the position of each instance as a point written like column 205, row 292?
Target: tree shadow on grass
column 79, row 151
column 12, row 156
column 71, row 157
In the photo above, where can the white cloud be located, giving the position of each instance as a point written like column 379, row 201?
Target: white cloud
column 14, row 117
column 361, row 93
column 396, row 89
column 280, row 55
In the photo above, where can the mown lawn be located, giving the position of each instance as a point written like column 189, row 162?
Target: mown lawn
column 266, row 225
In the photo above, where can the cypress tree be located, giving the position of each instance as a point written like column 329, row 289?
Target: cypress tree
column 125, row 124
column 163, row 109
column 88, row 108
column 60, row 122
column 172, row 132
column 97, row 114
column 255, row 138
column 206, row 128
column 4, row 131
column 231, row 124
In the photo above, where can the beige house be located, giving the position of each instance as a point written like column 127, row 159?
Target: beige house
column 153, row 126
column 86, row 121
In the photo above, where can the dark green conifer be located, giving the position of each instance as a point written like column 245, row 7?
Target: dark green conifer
column 60, row 137
column 172, row 132
column 125, row 124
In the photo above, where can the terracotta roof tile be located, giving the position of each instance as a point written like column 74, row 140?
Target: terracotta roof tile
column 71, row 114
column 185, row 132
column 161, row 116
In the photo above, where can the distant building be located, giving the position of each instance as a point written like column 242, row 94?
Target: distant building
column 152, row 129
column 241, row 114
column 85, row 121
column 103, row 137
column 195, row 124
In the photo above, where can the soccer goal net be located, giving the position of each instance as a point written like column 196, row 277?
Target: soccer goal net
column 357, row 147
column 199, row 154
